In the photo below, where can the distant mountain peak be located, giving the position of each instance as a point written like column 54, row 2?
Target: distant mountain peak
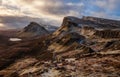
column 33, row 29
column 33, row 24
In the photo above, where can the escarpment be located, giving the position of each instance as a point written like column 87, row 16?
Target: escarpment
column 108, row 34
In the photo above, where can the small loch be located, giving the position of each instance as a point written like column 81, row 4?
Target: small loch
column 15, row 39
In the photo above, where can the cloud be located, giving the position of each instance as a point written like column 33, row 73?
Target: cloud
column 99, row 14
column 0, row 2
column 21, row 21
column 61, row 9
column 48, row 10
column 21, row 12
column 54, row 7
column 15, row 22
column 103, row 8
column 106, row 4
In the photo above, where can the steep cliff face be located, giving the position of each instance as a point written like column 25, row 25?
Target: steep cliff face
column 69, row 25
column 96, row 32
column 103, row 23
column 87, row 31
column 67, row 42
column 108, row 34
column 86, row 26
column 33, row 29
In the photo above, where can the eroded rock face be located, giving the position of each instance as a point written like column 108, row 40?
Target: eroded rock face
column 110, row 34
column 105, row 23
column 96, row 32
column 68, row 26
column 87, row 26
column 87, row 31
column 33, row 29
column 65, row 41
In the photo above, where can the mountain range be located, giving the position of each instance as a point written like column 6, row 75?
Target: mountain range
column 80, row 47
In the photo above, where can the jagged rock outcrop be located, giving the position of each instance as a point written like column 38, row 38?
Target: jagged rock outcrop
column 33, row 29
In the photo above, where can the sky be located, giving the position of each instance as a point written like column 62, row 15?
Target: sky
column 19, row 13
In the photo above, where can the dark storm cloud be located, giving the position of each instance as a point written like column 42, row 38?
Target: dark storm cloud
column 55, row 7
column 18, row 22
column 61, row 9
column 13, row 11
column 0, row 2
column 50, row 10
